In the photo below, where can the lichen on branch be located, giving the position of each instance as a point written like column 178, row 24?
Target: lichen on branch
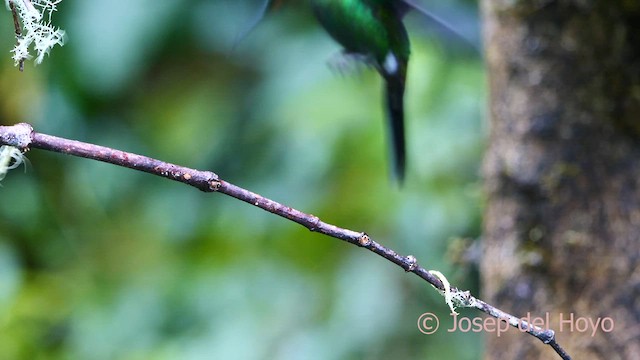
column 34, row 29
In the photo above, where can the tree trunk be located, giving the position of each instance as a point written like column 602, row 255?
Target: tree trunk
column 562, row 225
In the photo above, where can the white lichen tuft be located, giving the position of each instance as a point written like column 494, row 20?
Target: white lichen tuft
column 454, row 297
column 37, row 30
column 448, row 296
column 10, row 158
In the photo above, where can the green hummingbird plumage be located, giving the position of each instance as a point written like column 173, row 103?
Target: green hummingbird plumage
column 373, row 29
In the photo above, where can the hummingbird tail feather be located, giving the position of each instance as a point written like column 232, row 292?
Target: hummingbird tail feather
column 394, row 94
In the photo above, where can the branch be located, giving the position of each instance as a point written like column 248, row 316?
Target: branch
column 23, row 137
column 18, row 29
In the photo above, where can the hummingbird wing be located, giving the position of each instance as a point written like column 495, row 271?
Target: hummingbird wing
column 404, row 6
column 266, row 7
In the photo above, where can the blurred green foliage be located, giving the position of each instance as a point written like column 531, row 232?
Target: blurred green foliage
column 99, row 262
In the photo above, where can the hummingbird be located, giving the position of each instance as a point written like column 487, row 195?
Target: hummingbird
column 373, row 31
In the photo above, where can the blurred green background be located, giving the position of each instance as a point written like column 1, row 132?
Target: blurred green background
column 101, row 262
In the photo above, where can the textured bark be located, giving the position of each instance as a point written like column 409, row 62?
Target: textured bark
column 562, row 225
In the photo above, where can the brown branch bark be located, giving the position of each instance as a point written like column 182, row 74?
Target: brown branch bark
column 23, row 137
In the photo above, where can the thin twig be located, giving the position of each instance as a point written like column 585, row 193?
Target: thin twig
column 22, row 136
column 18, row 29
